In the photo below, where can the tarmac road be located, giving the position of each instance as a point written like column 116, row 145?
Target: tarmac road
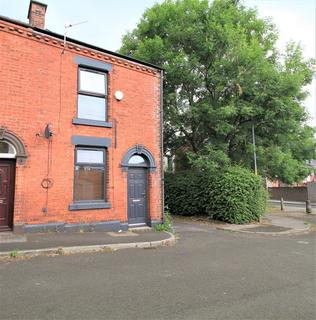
column 208, row 274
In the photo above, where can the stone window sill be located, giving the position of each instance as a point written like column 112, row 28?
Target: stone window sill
column 94, row 123
column 89, row 205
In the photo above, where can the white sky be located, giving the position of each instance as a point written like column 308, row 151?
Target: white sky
column 108, row 21
column 295, row 20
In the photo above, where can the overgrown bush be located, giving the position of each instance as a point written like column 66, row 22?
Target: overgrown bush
column 233, row 195
column 184, row 193
column 236, row 196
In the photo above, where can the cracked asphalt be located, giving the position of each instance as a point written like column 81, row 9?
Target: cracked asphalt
column 208, row 274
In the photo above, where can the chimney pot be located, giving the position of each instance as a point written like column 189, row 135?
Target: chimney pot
column 36, row 14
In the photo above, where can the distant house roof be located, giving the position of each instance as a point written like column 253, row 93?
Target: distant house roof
column 74, row 41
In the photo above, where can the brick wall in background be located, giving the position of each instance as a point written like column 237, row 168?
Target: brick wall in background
column 288, row 193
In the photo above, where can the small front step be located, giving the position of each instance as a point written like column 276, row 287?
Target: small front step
column 139, row 227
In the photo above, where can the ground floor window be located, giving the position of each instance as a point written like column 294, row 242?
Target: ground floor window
column 90, row 174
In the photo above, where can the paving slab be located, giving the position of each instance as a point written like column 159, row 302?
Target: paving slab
column 268, row 228
column 10, row 237
column 286, row 222
column 296, row 213
column 272, row 225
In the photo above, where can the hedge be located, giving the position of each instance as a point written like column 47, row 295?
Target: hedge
column 234, row 195
column 183, row 193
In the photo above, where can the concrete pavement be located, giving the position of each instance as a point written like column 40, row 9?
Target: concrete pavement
column 292, row 220
column 12, row 244
column 273, row 225
column 277, row 222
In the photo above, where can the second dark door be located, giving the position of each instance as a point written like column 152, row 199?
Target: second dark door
column 137, row 195
column 7, row 173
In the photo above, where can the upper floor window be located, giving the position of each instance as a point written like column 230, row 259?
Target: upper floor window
column 92, row 95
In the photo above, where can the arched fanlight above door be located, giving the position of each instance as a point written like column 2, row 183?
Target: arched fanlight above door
column 138, row 156
column 11, row 146
column 7, row 150
column 138, row 161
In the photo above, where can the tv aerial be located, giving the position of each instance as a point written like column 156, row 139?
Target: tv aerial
column 67, row 27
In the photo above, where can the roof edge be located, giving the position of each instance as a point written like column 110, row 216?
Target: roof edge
column 81, row 43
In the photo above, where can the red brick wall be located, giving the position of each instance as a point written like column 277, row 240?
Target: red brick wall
column 39, row 86
column 37, row 14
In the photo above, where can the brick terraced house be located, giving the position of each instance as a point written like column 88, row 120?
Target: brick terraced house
column 80, row 133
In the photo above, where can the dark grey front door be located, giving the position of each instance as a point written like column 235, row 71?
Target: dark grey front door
column 137, row 195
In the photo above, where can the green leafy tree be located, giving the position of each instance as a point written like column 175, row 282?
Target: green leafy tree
column 223, row 75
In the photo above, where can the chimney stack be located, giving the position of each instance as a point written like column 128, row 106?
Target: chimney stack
column 36, row 14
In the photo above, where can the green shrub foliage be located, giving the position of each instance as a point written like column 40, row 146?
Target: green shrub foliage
column 166, row 225
column 234, row 195
column 184, row 194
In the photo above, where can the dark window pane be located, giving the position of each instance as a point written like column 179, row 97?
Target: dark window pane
column 90, row 156
column 92, row 108
column 89, row 183
column 92, row 82
column 6, row 148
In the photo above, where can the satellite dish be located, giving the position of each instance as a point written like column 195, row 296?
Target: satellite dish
column 48, row 131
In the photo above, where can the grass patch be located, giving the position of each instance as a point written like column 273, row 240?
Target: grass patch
column 14, row 253
column 167, row 225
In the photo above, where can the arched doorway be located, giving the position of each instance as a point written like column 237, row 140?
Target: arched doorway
column 138, row 162
column 7, row 184
column 12, row 152
column 137, row 189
